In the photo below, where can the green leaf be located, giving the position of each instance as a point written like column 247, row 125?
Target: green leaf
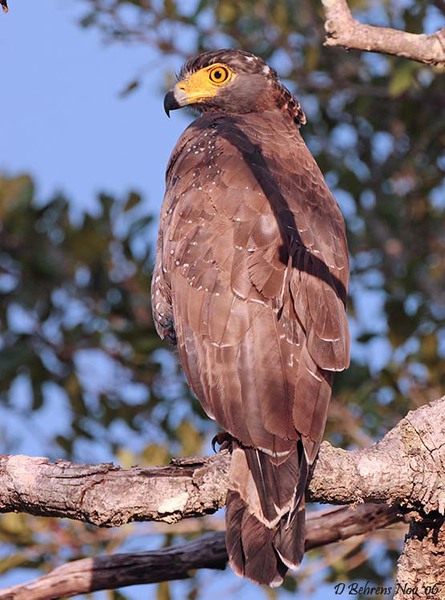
column 132, row 200
column 155, row 454
column 13, row 561
column 402, row 79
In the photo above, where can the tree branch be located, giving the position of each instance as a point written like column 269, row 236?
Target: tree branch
column 343, row 30
column 405, row 468
column 207, row 552
column 109, row 496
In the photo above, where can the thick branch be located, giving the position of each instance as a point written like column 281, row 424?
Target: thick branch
column 405, row 468
column 207, row 552
column 106, row 495
column 343, row 30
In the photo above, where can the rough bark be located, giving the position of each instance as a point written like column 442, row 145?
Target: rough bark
column 405, row 468
column 207, row 552
column 421, row 567
column 107, row 496
column 343, row 30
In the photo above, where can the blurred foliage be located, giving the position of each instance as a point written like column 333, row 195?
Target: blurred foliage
column 82, row 368
column 76, row 293
column 75, row 323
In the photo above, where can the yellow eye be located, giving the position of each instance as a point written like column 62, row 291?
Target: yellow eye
column 218, row 74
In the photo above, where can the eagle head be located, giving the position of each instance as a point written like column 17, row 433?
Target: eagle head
column 231, row 81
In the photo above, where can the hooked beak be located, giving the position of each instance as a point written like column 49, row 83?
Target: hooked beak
column 174, row 99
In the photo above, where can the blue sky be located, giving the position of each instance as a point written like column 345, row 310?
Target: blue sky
column 62, row 118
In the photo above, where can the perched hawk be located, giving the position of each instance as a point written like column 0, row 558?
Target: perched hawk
column 250, row 284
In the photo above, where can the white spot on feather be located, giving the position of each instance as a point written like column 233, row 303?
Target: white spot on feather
column 271, row 453
column 314, row 375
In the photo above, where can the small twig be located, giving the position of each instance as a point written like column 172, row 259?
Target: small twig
column 343, row 30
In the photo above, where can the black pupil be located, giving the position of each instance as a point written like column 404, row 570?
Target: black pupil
column 217, row 74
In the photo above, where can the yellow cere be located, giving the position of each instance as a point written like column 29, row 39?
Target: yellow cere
column 205, row 82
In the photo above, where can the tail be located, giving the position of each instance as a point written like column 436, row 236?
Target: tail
column 265, row 513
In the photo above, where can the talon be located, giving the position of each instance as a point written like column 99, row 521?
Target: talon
column 224, row 441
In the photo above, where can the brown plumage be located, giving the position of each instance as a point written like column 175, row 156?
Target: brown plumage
column 250, row 282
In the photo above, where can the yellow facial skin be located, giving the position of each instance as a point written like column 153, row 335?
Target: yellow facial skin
column 203, row 84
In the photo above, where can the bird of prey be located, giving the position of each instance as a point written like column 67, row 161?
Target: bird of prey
column 250, row 283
